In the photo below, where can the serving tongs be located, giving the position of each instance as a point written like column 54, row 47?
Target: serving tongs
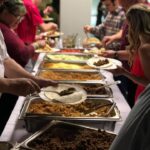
column 109, row 84
column 96, row 108
column 17, row 146
column 111, row 109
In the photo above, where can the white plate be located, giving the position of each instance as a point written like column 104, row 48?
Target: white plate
column 77, row 97
column 113, row 63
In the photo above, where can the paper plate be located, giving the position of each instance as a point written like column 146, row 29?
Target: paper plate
column 78, row 96
column 113, row 63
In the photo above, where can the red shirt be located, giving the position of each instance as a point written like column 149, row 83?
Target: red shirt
column 138, row 71
column 27, row 28
column 16, row 48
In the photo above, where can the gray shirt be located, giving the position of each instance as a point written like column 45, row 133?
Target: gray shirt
column 135, row 133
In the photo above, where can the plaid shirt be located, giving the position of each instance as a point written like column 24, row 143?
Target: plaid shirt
column 111, row 25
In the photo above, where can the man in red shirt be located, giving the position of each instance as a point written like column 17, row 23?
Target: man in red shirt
column 27, row 28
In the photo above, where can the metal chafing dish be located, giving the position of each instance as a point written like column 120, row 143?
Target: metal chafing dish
column 75, row 75
column 62, row 134
column 35, row 121
column 5, row 145
column 72, row 57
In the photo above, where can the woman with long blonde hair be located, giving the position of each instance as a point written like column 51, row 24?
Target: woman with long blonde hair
column 135, row 133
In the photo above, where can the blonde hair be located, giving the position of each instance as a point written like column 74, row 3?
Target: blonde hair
column 138, row 17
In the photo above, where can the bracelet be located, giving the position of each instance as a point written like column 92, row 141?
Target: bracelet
column 116, row 56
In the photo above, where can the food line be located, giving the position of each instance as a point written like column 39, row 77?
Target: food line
column 15, row 131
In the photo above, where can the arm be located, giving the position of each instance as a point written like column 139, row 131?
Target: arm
column 48, row 26
column 109, row 39
column 139, row 80
column 14, row 70
column 16, row 48
column 20, row 87
column 121, row 71
column 121, row 54
column 97, row 30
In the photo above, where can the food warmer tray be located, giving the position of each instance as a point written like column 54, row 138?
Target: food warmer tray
column 33, row 122
column 87, row 56
column 91, row 72
column 59, row 129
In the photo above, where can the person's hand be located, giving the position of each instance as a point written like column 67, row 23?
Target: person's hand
column 107, row 40
column 53, row 26
column 48, row 10
column 87, row 28
column 51, row 42
column 39, row 37
column 108, row 53
column 41, row 43
column 22, row 86
column 118, row 71
column 45, row 82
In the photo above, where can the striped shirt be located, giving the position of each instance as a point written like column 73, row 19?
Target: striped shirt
column 111, row 25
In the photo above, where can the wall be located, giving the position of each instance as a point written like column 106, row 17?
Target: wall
column 74, row 14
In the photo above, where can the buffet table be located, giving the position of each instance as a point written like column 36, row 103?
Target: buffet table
column 15, row 129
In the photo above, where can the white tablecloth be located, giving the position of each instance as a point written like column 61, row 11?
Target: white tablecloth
column 15, row 130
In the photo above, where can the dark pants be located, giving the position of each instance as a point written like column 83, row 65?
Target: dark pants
column 7, row 103
column 128, row 89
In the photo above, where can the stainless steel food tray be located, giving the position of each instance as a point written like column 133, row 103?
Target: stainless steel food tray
column 36, row 121
column 102, row 77
column 63, row 126
column 69, row 54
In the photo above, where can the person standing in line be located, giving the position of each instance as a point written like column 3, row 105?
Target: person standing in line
column 111, row 25
column 27, row 28
column 135, row 132
column 132, row 88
